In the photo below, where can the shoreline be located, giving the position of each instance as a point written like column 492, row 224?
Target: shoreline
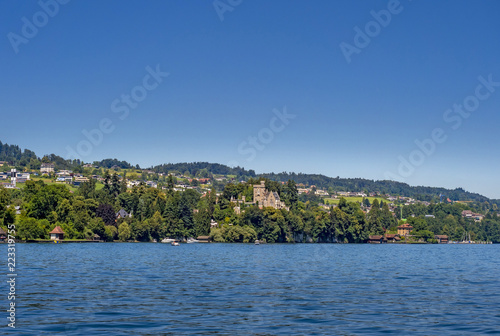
column 48, row 241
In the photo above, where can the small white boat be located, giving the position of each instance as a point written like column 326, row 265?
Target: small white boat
column 167, row 240
column 192, row 240
column 257, row 242
column 174, row 243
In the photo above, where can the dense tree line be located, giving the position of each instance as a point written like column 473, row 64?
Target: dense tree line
column 89, row 212
column 20, row 159
column 108, row 163
column 15, row 156
column 383, row 187
column 157, row 214
column 194, row 169
column 448, row 221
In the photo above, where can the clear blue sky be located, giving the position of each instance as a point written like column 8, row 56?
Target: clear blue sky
column 352, row 119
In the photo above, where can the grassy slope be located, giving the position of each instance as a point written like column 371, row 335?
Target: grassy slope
column 49, row 181
column 352, row 199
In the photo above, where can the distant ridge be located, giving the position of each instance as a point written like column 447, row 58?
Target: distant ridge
column 17, row 157
column 325, row 182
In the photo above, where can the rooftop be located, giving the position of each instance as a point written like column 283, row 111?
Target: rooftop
column 57, row 229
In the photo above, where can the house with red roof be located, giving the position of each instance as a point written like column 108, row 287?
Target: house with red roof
column 57, row 233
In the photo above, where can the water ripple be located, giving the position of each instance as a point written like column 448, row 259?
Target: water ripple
column 236, row 289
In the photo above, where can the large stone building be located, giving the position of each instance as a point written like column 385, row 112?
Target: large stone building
column 266, row 198
column 405, row 229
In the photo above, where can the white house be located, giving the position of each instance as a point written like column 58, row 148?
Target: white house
column 47, row 168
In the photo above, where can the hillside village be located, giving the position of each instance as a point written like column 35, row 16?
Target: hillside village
column 236, row 199
column 12, row 178
column 16, row 179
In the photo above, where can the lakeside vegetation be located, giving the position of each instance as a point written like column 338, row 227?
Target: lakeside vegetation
column 179, row 214
column 214, row 193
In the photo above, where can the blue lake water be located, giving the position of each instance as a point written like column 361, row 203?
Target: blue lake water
column 243, row 289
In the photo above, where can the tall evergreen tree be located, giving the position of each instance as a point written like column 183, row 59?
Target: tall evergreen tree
column 374, row 219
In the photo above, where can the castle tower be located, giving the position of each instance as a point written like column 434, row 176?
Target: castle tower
column 259, row 193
